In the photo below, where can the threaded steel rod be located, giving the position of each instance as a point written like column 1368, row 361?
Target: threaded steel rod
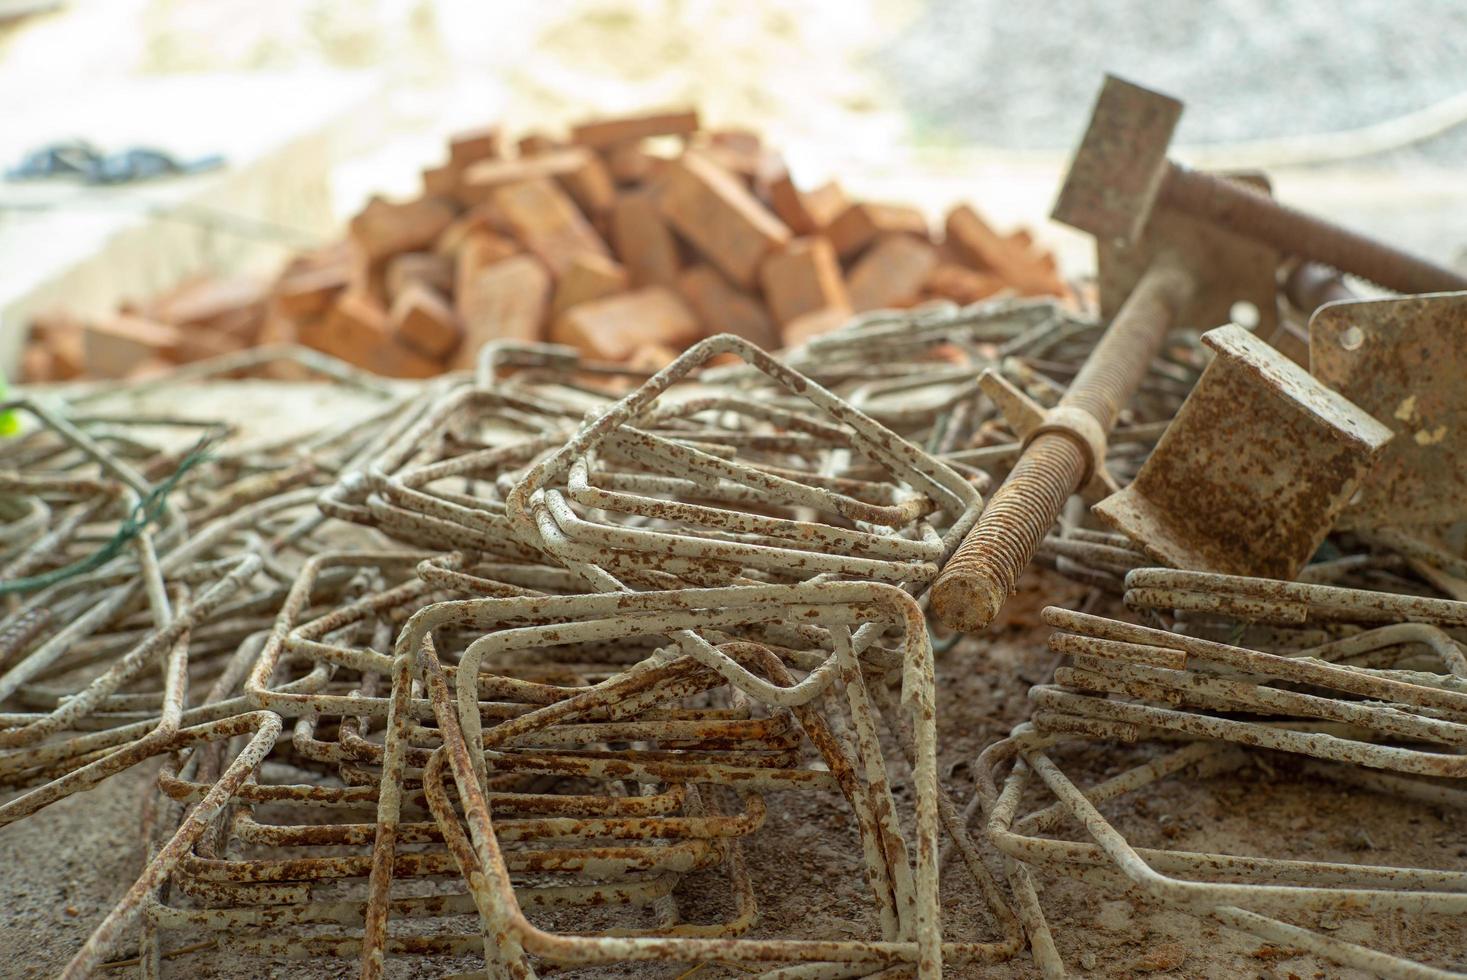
column 982, row 573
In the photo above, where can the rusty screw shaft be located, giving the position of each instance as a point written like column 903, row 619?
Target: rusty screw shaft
column 1247, row 212
column 983, row 572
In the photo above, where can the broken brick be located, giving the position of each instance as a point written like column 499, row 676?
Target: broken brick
column 723, row 221
column 891, row 274
column 590, row 277
column 480, row 218
column 802, row 277
column 427, row 268
column 423, row 320
column 535, row 144
column 65, row 341
column 37, row 364
column 114, row 347
column 861, row 224
column 480, row 249
column 440, row 181
column 383, row 228
column 547, row 223
column 806, row 212
column 482, row 179
column 396, row 359
column 614, row 328
column 1011, row 260
column 591, row 187
column 310, row 292
column 506, row 300
column 643, row 241
column 961, row 284
column 652, row 358
column 803, row 328
column 473, row 145
column 628, row 163
column 608, row 132
column 722, row 307
column 354, row 330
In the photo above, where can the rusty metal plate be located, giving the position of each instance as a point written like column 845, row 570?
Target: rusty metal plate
column 1405, row 362
column 1228, row 269
column 1251, row 475
column 1117, row 171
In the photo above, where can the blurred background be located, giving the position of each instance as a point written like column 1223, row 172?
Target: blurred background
column 1356, row 109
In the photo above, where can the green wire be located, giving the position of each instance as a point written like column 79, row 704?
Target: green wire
column 9, row 424
column 146, row 511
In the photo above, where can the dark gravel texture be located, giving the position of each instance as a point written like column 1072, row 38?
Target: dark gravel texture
column 1023, row 75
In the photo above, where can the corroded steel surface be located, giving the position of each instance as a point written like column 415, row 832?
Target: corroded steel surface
column 1251, row 475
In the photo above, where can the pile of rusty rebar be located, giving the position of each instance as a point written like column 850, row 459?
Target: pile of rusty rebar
column 505, row 671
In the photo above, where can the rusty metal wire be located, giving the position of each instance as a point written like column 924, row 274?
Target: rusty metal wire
column 1248, row 893
column 510, row 668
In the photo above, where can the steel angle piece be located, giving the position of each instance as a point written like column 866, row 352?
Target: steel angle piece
column 1255, row 469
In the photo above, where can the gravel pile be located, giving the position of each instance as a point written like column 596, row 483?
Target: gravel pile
column 1023, row 76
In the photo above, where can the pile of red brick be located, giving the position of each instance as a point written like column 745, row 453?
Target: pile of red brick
column 630, row 240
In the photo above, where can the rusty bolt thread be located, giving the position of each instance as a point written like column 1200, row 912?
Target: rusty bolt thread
column 981, row 575
column 1255, row 215
column 978, row 579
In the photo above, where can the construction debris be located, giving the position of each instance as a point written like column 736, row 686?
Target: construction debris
column 565, row 241
column 1254, row 470
column 515, row 669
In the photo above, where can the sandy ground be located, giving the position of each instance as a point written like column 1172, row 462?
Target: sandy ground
column 61, row 872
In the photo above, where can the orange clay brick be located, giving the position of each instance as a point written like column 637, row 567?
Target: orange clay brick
column 987, row 251
column 802, row 277
column 961, row 284
column 65, row 341
column 396, row 359
column 114, row 347
column 383, row 228
column 608, row 132
column 891, row 273
column 861, row 224
column 652, row 358
column 503, row 301
column 198, row 342
column 711, row 209
column 473, row 145
column 441, row 181
column 480, row 250
column 643, row 241
column 37, row 365
column 628, row 163
column 534, row 144
column 723, row 308
column 310, row 292
column 435, row 271
column 741, row 153
column 208, row 301
column 590, row 277
column 480, row 218
column 424, row 321
column 614, row 328
column 546, row 222
column 482, row 179
column 278, row 328
column 801, row 329
column 806, row 212
column 591, row 187
column 354, row 330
